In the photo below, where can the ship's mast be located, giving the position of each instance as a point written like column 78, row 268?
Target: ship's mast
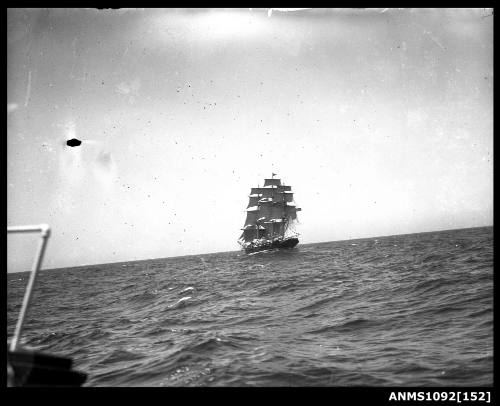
column 272, row 177
column 257, row 218
column 284, row 212
column 272, row 186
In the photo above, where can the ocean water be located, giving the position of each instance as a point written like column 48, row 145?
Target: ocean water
column 407, row 310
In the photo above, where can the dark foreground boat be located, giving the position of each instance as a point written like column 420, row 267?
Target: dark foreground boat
column 26, row 366
column 271, row 217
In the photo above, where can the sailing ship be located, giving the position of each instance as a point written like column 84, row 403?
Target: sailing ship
column 271, row 218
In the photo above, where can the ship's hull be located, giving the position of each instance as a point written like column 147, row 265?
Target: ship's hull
column 282, row 244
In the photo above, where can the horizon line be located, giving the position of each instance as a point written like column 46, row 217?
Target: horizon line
column 239, row 250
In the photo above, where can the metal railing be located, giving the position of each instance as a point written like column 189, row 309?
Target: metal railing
column 44, row 229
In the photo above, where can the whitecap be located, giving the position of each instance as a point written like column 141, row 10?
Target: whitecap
column 181, row 302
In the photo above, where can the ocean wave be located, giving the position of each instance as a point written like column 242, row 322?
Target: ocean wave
column 410, row 310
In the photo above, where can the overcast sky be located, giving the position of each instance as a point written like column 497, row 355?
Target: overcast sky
column 381, row 120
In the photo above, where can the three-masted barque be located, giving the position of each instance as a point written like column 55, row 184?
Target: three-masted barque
column 271, row 218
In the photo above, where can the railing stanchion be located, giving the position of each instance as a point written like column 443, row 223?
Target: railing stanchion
column 44, row 229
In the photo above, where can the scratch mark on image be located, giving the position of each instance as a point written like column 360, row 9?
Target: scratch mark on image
column 436, row 41
column 28, row 90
